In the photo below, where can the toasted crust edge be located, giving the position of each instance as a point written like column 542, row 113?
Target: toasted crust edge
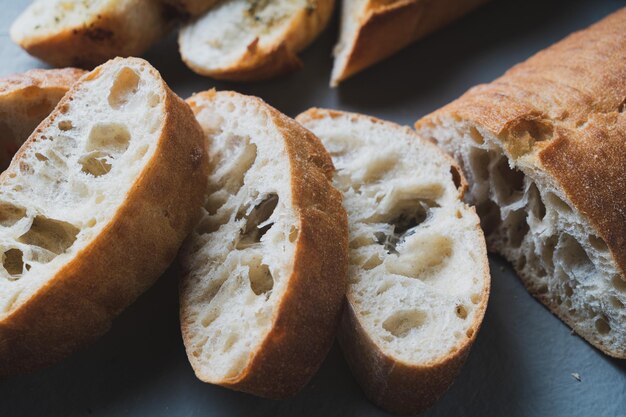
column 387, row 28
column 307, row 317
column 78, row 304
column 396, row 386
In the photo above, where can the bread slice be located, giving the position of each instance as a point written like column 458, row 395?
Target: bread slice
column 25, row 100
column 543, row 148
column 87, row 33
column 246, row 40
column 93, row 208
column 418, row 275
column 372, row 30
column 266, row 267
column 192, row 8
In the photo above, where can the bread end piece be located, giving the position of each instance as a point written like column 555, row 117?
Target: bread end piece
column 372, row 31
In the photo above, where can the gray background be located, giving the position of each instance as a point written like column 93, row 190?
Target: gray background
column 522, row 362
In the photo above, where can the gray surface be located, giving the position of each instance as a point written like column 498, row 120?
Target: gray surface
column 522, row 362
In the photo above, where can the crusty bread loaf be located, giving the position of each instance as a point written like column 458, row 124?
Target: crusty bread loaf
column 87, row 33
column 191, row 8
column 544, row 148
column 93, row 208
column 246, row 40
column 266, row 267
column 418, row 274
column 372, row 30
column 25, row 100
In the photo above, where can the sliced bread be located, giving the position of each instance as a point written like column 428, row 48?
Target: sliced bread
column 265, row 269
column 418, row 275
column 372, row 30
column 25, row 100
column 246, row 40
column 544, row 148
column 87, row 33
column 93, row 208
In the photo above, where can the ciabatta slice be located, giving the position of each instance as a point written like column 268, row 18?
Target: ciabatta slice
column 85, row 33
column 266, row 266
column 418, row 276
column 372, row 30
column 544, row 147
column 25, row 100
column 245, row 40
column 93, row 208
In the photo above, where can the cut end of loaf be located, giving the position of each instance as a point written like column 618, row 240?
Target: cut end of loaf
column 67, row 182
column 419, row 278
column 239, row 258
column 560, row 258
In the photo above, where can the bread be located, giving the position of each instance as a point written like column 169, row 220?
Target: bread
column 418, row 274
column 192, row 8
column 543, row 147
column 372, row 30
column 266, row 267
column 93, row 208
column 87, row 33
column 25, row 100
column 247, row 40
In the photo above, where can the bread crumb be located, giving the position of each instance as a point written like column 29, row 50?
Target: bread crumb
column 577, row 377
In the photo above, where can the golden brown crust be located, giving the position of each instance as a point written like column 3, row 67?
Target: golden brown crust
column 280, row 58
column 129, row 31
column 78, row 304
column 385, row 27
column 564, row 109
column 396, row 386
column 305, row 321
column 25, row 100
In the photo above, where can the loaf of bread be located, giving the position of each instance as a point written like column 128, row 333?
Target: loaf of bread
column 93, row 208
column 544, row 149
column 246, row 40
column 265, row 270
column 418, row 275
column 25, row 100
column 372, row 30
column 87, row 33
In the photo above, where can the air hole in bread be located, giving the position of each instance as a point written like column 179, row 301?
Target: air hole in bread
column 461, row 312
column 257, row 222
column 547, row 251
column 572, row 254
column 293, row 234
column 602, row 325
column 479, row 163
column 55, row 236
column 526, row 132
column 13, row 262
column 65, row 125
column 400, row 324
column 40, row 157
column 240, row 158
column 423, row 256
column 558, row 203
column 475, row 298
column 404, row 223
column 230, row 341
column 95, row 163
column 125, row 85
column 456, row 176
column 517, row 227
column 215, row 201
column 112, row 138
column 543, row 289
column 476, row 136
column 209, row 317
column 372, row 262
column 469, row 333
column 10, row 214
column 568, row 290
column 261, row 280
column 618, row 283
column 508, row 182
column 384, row 286
column 490, row 216
column 598, row 243
column 616, row 302
column 535, row 203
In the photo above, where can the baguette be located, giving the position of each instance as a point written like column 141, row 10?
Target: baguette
column 87, row 33
column 265, row 269
column 248, row 40
column 93, row 208
column 372, row 30
column 419, row 277
column 25, row 100
column 544, row 149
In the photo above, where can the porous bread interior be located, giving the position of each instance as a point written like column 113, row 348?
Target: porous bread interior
column 44, row 17
column 417, row 264
column 68, row 183
column 528, row 219
column 240, row 256
column 221, row 37
column 351, row 15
